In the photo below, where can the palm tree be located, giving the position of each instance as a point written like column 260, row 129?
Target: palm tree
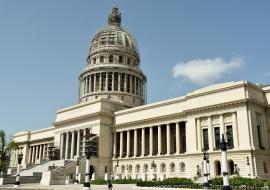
column 5, row 150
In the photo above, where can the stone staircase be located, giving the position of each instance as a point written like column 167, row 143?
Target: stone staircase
column 44, row 166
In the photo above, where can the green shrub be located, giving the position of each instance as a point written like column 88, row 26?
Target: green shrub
column 267, row 183
column 99, row 182
column 125, row 181
column 238, row 181
column 170, row 182
column 217, row 181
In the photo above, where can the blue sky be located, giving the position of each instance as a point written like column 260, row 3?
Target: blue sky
column 184, row 45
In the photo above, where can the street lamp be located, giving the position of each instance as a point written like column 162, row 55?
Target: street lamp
column 208, row 169
column 153, row 170
column 205, row 173
column 77, row 171
column 248, row 167
column 224, row 146
column 86, row 185
column 20, row 157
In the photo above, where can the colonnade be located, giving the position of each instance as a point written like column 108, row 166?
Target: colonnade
column 164, row 139
column 112, row 81
column 37, row 153
column 71, row 143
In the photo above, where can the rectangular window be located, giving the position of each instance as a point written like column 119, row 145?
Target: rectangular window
column 128, row 83
column 92, row 83
column 103, row 81
column 115, row 82
column 110, row 82
column 229, row 133
column 217, row 137
column 259, row 136
column 122, row 88
column 205, row 139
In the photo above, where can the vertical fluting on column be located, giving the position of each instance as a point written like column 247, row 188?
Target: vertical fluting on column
column 113, row 81
column 128, row 143
column 168, row 139
column 78, row 143
column 119, row 82
column 135, row 142
column 210, row 133
column 159, row 140
column 61, row 145
column 125, row 83
column 72, row 145
column 29, row 155
column 177, row 132
column 114, row 144
column 67, row 146
column 143, row 142
column 235, row 130
column 84, row 139
column 151, row 141
column 95, row 82
column 199, row 143
column 121, row 144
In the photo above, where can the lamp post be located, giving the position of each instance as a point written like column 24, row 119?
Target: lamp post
column 208, row 169
column 248, row 167
column 205, row 173
column 224, row 146
column 86, row 185
column 77, row 171
column 20, row 157
column 153, row 170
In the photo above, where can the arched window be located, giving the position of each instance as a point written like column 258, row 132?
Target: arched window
column 230, row 167
column 163, row 168
column 128, row 61
column 94, row 61
column 130, row 169
column 172, row 167
column 217, row 168
column 137, row 168
column 101, row 59
column 111, row 58
column 145, row 168
column 182, row 167
column 122, row 169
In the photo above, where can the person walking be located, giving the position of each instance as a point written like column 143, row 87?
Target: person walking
column 110, row 185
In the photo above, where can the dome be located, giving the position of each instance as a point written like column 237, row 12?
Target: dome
column 113, row 37
column 113, row 67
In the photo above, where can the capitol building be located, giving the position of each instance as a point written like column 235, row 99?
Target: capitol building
column 132, row 136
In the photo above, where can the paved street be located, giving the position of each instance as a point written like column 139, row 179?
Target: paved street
column 78, row 187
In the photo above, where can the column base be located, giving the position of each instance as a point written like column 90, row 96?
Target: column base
column 226, row 187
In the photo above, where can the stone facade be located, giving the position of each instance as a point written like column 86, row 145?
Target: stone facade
column 171, row 133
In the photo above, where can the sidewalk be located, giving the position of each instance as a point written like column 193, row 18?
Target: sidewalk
column 79, row 187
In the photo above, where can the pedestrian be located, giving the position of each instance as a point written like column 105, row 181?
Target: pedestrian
column 110, row 185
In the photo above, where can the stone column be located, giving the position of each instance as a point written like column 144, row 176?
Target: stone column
column 125, row 83
column 40, row 153
column 128, row 143
column 89, row 83
column 36, row 152
column 199, row 148
column 121, row 144
column 135, row 85
column 30, row 154
column 95, row 82
column 151, row 141
column 84, row 139
column 113, row 81
column 159, row 140
column 45, row 150
column 78, row 143
column 72, row 145
column 106, row 81
column 119, row 81
column 114, row 144
column 135, row 142
column 235, row 130
column 168, row 139
column 177, row 131
column 143, row 141
column 100, row 79
column 67, row 146
column 62, row 145
column 130, row 83
column 210, row 133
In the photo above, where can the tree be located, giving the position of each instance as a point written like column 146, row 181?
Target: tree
column 5, row 150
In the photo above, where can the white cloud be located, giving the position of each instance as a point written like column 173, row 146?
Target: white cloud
column 205, row 71
column 267, row 74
